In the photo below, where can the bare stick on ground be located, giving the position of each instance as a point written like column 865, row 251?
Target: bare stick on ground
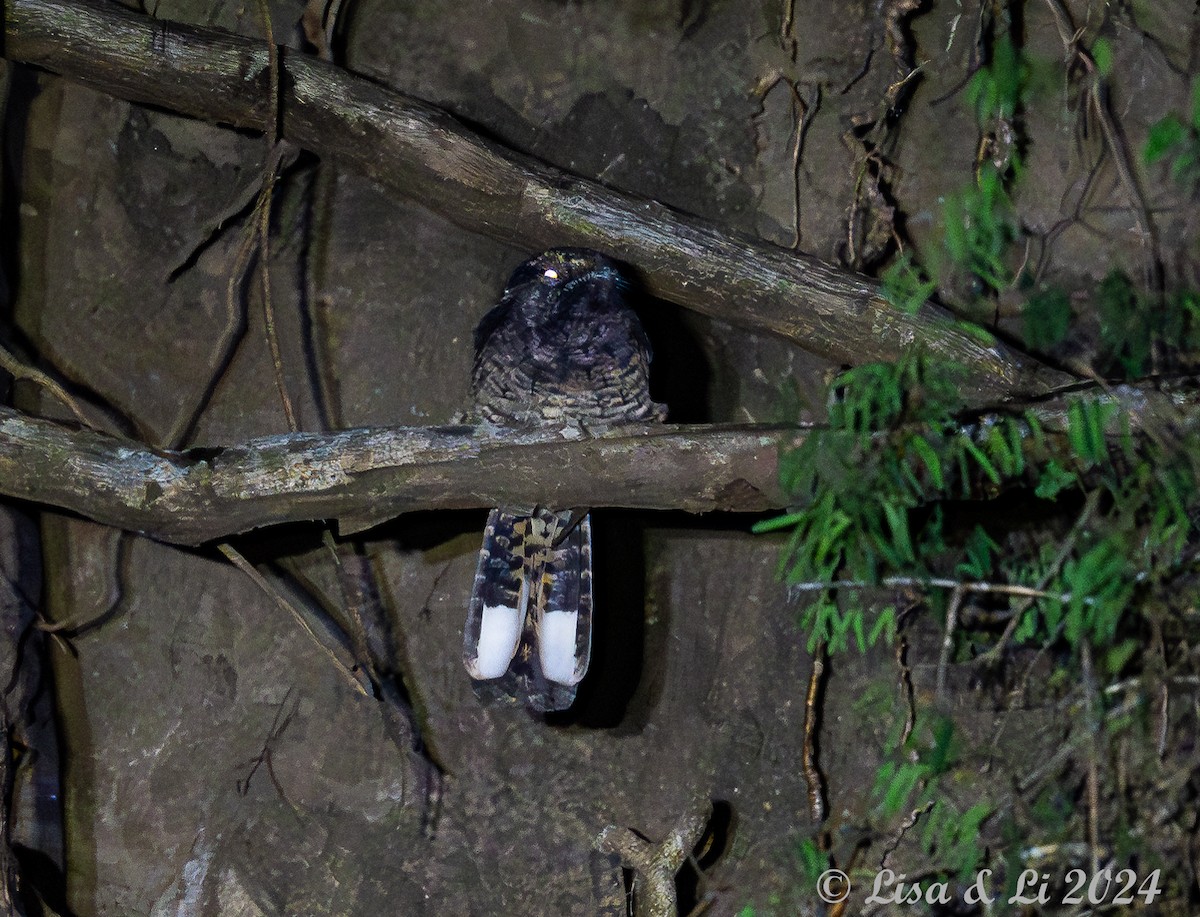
column 655, row 865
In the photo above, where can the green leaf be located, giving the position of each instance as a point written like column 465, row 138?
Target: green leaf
column 883, row 777
column 978, row 225
column 1164, row 136
column 982, row 460
column 1117, row 656
column 779, row 522
column 995, row 90
column 897, row 518
column 999, row 450
column 812, row 860
column 905, row 285
column 836, row 525
column 1016, row 443
column 1086, row 421
column 1184, row 167
column 885, row 623
column 1053, row 481
column 1103, row 56
column 942, row 755
column 982, row 335
column 922, row 448
column 1047, row 318
column 1027, row 626
column 1126, row 327
column 979, row 549
column 902, row 786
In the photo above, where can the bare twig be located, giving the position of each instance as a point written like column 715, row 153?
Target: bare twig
column 1098, row 99
column 1092, row 725
column 425, row 153
column 812, row 771
column 18, row 370
column 346, row 670
column 907, row 825
column 993, row 655
column 787, row 28
column 956, row 599
column 265, row 198
column 906, row 685
column 1065, row 752
column 227, row 344
column 933, row 582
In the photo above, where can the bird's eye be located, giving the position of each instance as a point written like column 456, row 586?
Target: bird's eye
column 551, row 274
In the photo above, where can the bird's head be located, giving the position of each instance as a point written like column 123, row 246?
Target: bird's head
column 561, row 274
column 564, row 297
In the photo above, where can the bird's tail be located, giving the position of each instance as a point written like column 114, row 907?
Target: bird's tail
column 529, row 625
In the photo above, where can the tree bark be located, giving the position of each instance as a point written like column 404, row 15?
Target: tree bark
column 426, row 154
column 365, row 476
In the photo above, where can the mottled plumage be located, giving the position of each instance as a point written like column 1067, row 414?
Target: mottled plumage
column 562, row 348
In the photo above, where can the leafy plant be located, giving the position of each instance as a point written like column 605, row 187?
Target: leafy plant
column 1047, row 317
column 880, row 496
column 911, row 782
column 980, row 226
column 858, row 491
column 906, row 286
column 995, row 91
column 1174, row 139
column 869, row 490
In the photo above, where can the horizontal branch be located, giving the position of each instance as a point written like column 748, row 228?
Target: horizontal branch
column 426, row 154
column 365, row 476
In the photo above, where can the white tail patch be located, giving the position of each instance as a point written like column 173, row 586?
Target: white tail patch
column 557, row 647
column 499, row 631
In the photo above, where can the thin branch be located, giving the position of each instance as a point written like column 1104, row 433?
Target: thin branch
column 812, row 770
column 1091, row 724
column 1098, row 96
column 426, row 154
column 956, row 600
column 992, row 656
column 18, row 370
column 932, row 582
column 344, row 668
column 265, row 200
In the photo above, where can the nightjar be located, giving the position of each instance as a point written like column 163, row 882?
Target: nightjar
column 561, row 349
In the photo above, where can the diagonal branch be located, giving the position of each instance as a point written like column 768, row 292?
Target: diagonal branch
column 426, row 154
column 365, row 476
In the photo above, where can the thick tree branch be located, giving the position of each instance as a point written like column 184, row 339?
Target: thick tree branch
column 361, row 477
column 365, row 476
column 428, row 155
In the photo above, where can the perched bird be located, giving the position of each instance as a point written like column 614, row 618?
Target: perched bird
column 562, row 348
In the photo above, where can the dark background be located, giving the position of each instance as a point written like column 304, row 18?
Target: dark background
column 120, row 229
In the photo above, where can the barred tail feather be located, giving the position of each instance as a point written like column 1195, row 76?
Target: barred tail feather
column 529, row 624
column 565, row 628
